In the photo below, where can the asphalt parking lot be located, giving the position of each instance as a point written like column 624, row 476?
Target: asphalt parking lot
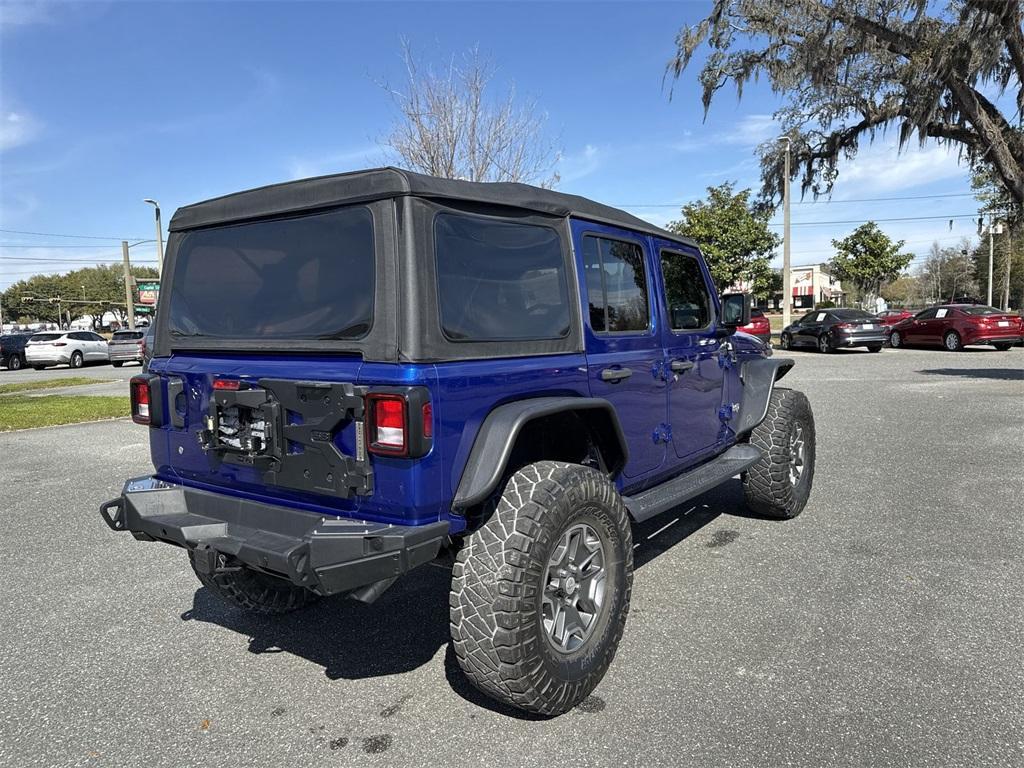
column 884, row 626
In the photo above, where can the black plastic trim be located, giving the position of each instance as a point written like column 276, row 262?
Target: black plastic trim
column 758, row 377
column 497, row 436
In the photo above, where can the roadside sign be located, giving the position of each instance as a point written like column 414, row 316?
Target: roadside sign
column 142, row 309
column 149, row 291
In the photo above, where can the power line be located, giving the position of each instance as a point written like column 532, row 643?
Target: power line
column 897, row 218
column 48, row 260
column 19, row 245
column 76, row 237
column 813, row 202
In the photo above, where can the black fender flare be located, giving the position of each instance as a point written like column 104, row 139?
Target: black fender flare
column 497, row 436
column 758, row 377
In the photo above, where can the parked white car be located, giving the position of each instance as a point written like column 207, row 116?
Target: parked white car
column 74, row 348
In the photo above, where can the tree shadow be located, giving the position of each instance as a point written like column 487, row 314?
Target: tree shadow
column 406, row 627
column 1002, row 374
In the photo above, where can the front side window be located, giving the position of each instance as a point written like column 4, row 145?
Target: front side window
column 689, row 303
column 616, row 285
column 308, row 277
column 499, row 280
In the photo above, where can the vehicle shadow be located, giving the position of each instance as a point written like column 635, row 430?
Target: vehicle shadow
column 1003, row 374
column 407, row 626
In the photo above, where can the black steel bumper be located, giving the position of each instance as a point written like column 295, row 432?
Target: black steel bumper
column 326, row 554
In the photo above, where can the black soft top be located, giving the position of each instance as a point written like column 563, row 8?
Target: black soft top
column 380, row 183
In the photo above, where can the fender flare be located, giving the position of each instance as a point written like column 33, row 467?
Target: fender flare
column 497, row 436
column 758, row 377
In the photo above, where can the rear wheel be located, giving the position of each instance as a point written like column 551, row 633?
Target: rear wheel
column 541, row 591
column 952, row 342
column 14, row 363
column 824, row 344
column 117, row 363
column 1002, row 347
column 39, row 367
column 76, row 360
column 779, row 484
column 874, row 347
column 255, row 591
column 895, row 339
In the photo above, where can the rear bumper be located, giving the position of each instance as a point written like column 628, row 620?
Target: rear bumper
column 125, row 356
column 326, row 554
column 861, row 340
column 50, row 358
column 993, row 338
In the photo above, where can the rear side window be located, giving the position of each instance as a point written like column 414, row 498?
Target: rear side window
column 309, row 277
column 47, row 336
column 499, row 280
column 689, row 303
column 616, row 285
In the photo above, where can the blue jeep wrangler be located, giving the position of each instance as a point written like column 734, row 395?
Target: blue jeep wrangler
column 357, row 374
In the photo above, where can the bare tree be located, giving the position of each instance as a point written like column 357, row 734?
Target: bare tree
column 448, row 125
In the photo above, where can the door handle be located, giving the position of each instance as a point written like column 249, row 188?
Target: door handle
column 616, row 374
column 681, row 366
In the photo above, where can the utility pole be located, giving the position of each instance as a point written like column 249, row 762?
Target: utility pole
column 1009, row 258
column 129, row 304
column 991, row 248
column 787, row 289
column 159, row 238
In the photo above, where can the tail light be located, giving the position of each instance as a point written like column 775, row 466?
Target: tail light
column 60, row 343
column 844, row 326
column 147, row 399
column 399, row 423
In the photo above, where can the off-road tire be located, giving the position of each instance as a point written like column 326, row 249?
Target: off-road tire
column 498, row 582
column 951, row 342
column 874, row 347
column 76, row 361
column 825, row 344
column 1002, row 347
column 767, row 486
column 254, row 591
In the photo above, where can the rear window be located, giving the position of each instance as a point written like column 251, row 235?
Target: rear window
column 499, row 280
column 46, row 336
column 852, row 314
column 981, row 310
column 126, row 335
column 310, row 277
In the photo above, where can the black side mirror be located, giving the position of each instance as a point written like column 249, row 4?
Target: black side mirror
column 735, row 312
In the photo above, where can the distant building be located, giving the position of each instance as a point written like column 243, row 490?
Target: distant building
column 810, row 285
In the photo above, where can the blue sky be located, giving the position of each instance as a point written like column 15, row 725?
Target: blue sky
column 104, row 104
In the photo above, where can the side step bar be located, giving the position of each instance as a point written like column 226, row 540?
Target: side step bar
column 671, row 493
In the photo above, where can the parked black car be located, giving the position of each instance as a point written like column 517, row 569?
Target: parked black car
column 12, row 350
column 829, row 329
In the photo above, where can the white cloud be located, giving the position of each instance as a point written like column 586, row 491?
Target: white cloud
column 751, row 130
column 335, row 162
column 576, row 165
column 17, row 128
column 19, row 14
column 883, row 168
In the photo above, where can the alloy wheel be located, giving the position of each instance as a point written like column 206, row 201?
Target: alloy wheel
column 797, row 454
column 574, row 589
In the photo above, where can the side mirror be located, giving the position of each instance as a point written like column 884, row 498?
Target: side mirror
column 735, row 312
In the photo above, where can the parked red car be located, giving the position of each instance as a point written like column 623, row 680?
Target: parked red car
column 954, row 326
column 892, row 316
column 758, row 326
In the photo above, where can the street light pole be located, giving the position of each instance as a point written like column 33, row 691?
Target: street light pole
column 787, row 289
column 159, row 237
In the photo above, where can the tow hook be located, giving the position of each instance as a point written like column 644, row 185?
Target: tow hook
column 210, row 562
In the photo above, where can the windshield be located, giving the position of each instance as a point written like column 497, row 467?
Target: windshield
column 981, row 310
column 310, row 277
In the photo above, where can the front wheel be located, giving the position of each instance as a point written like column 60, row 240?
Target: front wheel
column 14, row 363
column 874, row 347
column 117, row 363
column 895, row 340
column 1002, row 347
column 254, row 591
column 780, row 483
column 541, row 591
column 786, row 341
column 824, row 345
column 952, row 342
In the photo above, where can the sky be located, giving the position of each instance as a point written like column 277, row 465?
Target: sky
column 103, row 104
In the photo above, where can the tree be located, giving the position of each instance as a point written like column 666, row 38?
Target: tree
column 867, row 257
column 734, row 236
column 948, row 272
column 1008, row 268
column 904, row 291
column 449, row 125
column 850, row 69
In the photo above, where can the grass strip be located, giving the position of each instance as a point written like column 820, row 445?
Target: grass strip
column 24, row 412
column 28, row 386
